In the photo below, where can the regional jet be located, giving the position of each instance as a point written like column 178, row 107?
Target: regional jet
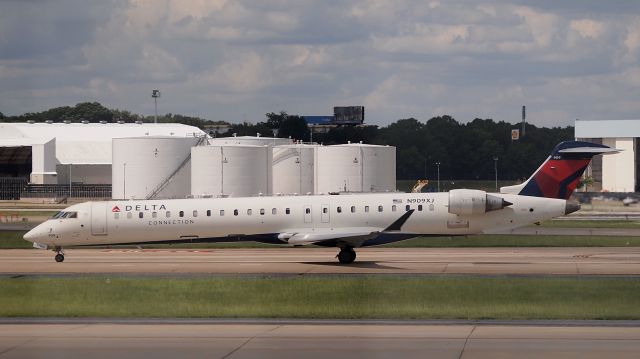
column 345, row 221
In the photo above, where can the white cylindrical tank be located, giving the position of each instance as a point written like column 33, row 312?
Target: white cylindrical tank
column 231, row 170
column 355, row 168
column 250, row 140
column 143, row 165
column 293, row 169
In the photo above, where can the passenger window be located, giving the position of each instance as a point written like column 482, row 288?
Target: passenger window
column 129, row 215
column 325, row 210
column 235, row 212
column 168, row 214
column 141, row 215
column 274, row 211
column 407, row 208
column 287, row 211
column 339, row 209
column 208, row 213
column 353, row 209
column 262, row 211
column 419, row 207
column 379, row 208
column 307, row 210
column 222, row 213
column 116, row 215
column 195, row 213
column 154, row 214
column 366, row 209
column 431, row 207
column 249, row 211
column 393, row 208
column 181, row 214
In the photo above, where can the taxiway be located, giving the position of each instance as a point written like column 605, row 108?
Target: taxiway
column 344, row 340
column 488, row 261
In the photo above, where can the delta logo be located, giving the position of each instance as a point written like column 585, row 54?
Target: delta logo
column 115, row 209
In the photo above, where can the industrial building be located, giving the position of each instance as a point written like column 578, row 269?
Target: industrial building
column 62, row 153
column 146, row 161
column 616, row 172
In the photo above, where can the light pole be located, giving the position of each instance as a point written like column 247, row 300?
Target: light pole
column 438, row 164
column 495, row 167
column 155, row 94
column 70, row 165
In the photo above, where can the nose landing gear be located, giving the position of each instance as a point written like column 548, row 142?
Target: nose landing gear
column 59, row 254
column 346, row 255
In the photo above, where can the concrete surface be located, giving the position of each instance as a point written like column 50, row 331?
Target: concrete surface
column 315, row 341
column 491, row 261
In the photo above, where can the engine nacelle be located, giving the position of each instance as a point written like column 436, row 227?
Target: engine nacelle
column 471, row 201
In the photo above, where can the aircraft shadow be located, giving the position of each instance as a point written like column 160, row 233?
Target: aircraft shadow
column 362, row 264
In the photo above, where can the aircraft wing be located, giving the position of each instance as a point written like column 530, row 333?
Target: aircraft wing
column 353, row 236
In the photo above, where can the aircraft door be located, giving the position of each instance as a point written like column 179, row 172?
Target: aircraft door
column 307, row 214
column 325, row 213
column 98, row 218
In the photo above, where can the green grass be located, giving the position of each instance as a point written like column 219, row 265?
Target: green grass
column 567, row 223
column 506, row 240
column 13, row 240
column 316, row 297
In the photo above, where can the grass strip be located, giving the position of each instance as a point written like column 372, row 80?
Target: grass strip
column 13, row 240
column 507, row 240
column 329, row 298
column 568, row 223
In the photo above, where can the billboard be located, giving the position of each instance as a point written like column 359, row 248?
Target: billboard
column 353, row 115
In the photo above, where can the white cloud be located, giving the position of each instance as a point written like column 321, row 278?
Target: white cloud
column 237, row 60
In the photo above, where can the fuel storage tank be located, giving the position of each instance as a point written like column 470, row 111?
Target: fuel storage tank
column 231, row 170
column 355, row 167
column 151, row 166
column 250, row 140
column 293, row 169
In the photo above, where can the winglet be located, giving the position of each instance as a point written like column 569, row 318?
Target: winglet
column 397, row 225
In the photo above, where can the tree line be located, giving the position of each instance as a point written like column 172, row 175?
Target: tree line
column 463, row 150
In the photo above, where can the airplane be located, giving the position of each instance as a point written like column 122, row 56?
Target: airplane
column 345, row 221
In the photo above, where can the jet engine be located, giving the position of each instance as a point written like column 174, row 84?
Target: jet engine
column 471, row 201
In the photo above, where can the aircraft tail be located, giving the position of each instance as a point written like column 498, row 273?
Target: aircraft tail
column 559, row 175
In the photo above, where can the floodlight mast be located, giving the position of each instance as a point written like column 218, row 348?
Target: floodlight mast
column 155, row 94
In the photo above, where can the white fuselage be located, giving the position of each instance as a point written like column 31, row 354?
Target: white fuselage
column 251, row 218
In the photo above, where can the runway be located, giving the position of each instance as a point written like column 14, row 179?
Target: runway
column 315, row 341
column 321, row 261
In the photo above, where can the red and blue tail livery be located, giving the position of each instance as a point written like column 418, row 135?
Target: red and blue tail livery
column 559, row 175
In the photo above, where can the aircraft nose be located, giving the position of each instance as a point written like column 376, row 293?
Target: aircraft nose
column 30, row 236
column 34, row 235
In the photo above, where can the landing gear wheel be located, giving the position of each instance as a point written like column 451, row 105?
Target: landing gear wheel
column 346, row 255
column 59, row 257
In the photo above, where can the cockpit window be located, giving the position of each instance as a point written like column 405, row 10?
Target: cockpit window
column 61, row 215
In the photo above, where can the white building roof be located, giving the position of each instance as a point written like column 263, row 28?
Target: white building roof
column 90, row 143
column 607, row 128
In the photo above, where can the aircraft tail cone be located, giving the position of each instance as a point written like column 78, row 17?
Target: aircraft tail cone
column 571, row 207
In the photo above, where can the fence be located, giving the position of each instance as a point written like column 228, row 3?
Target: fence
column 10, row 187
column 65, row 190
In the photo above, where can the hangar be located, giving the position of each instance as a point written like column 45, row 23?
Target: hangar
column 62, row 153
column 617, row 172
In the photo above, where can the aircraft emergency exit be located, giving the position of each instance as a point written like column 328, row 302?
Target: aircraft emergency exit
column 346, row 221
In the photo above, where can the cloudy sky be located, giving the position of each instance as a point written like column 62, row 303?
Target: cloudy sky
column 237, row 60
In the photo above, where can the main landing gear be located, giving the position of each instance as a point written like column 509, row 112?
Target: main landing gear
column 59, row 254
column 346, row 255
